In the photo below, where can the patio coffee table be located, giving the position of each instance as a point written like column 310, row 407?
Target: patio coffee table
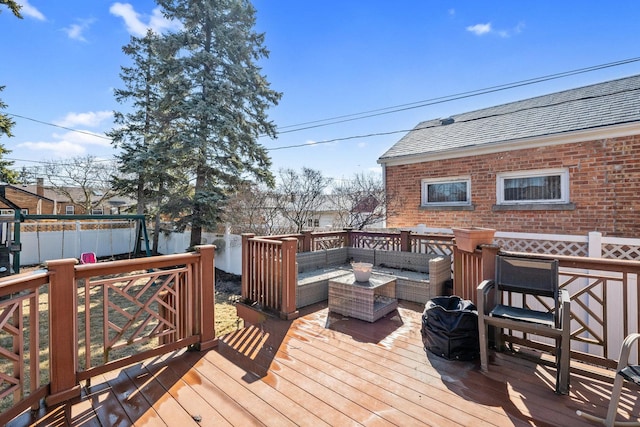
column 363, row 300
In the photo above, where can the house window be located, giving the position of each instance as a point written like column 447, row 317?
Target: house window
column 11, row 212
column 445, row 192
column 313, row 222
column 69, row 209
column 97, row 211
column 542, row 186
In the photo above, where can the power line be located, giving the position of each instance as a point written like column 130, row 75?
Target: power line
column 427, row 126
column 433, row 101
column 385, row 110
column 59, row 126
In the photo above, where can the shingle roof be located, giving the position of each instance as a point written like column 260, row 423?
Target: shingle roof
column 604, row 104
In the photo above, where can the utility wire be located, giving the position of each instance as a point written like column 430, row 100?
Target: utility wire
column 447, row 98
column 388, row 110
column 97, row 135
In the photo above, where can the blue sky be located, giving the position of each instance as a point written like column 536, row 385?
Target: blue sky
column 329, row 58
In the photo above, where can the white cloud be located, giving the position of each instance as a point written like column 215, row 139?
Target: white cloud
column 519, row 28
column 480, row 29
column 60, row 149
column 159, row 23
column 84, row 138
column 135, row 24
column 69, row 144
column 30, row 11
column 91, row 119
column 76, row 31
column 79, row 141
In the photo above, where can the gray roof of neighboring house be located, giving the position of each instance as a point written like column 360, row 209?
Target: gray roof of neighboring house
column 604, row 104
column 78, row 194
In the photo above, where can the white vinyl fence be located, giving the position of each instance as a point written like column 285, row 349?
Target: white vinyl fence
column 228, row 248
column 72, row 238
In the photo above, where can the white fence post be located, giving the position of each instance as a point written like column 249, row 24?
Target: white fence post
column 594, row 244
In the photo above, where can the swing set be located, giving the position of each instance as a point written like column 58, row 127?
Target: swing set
column 15, row 246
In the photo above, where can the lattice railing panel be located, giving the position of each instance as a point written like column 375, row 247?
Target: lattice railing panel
column 543, row 246
column 134, row 310
column 614, row 251
column 383, row 242
column 431, row 246
column 20, row 346
column 330, row 242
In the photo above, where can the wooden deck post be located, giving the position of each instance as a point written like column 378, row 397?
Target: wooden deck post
column 489, row 254
column 246, row 263
column 63, row 329
column 206, row 288
column 347, row 237
column 405, row 241
column 289, row 278
column 306, row 241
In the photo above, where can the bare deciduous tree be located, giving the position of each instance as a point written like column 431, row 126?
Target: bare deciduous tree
column 85, row 181
column 300, row 195
column 253, row 208
column 362, row 201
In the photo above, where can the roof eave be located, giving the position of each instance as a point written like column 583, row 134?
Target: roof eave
column 611, row 131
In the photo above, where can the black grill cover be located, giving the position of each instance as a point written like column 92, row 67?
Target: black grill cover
column 450, row 328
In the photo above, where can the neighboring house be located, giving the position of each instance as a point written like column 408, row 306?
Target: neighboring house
column 14, row 197
column 567, row 162
column 63, row 206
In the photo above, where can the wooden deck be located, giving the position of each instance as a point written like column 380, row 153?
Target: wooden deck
column 324, row 369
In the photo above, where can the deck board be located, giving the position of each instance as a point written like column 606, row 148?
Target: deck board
column 324, row 369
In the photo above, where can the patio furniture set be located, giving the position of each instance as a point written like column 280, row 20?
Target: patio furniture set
column 418, row 277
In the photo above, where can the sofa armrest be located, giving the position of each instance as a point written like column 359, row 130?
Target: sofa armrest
column 439, row 270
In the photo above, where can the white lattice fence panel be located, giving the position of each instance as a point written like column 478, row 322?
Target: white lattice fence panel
column 620, row 251
column 543, row 246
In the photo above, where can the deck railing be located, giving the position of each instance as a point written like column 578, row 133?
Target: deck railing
column 605, row 293
column 269, row 271
column 605, row 300
column 70, row 322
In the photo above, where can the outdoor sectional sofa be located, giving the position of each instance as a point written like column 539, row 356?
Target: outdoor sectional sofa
column 420, row 277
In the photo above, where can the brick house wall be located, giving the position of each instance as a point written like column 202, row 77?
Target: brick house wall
column 604, row 184
column 27, row 200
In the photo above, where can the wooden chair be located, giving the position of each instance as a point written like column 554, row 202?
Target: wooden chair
column 623, row 372
column 526, row 276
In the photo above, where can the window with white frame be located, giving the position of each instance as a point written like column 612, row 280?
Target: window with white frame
column 97, row 211
column 446, row 191
column 539, row 186
column 6, row 212
column 69, row 209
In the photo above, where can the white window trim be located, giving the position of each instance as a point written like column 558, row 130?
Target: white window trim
column 68, row 208
column 564, row 185
column 445, row 180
